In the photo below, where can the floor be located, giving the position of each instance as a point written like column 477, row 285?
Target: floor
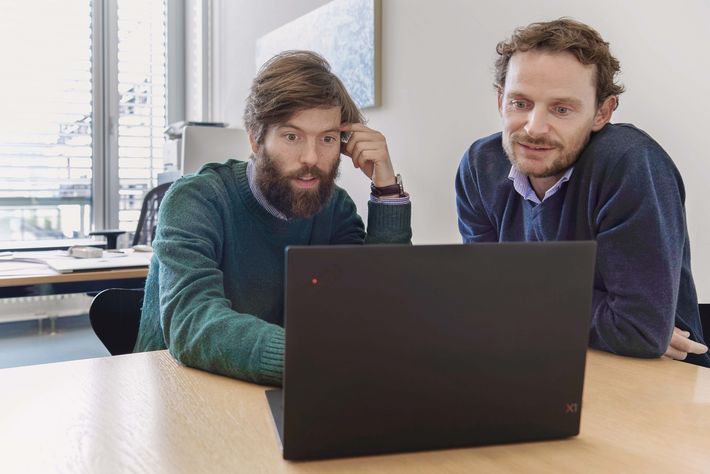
column 29, row 343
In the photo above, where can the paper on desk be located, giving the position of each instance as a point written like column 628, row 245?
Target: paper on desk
column 49, row 262
column 38, row 256
column 29, row 263
column 22, row 268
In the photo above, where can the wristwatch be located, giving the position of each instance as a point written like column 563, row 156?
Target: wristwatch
column 391, row 190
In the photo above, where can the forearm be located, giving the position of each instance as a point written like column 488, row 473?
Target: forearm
column 627, row 326
column 211, row 336
column 641, row 237
column 201, row 329
column 389, row 223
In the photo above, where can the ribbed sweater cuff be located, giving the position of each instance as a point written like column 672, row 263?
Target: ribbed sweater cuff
column 389, row 222
column 272, row 358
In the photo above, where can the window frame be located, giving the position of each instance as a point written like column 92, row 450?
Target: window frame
column 105, row 180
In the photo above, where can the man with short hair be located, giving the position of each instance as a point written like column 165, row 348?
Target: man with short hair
column 214, row 292
column 561, row 171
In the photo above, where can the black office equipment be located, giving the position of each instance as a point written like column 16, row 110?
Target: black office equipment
column 403, row 348
column 147, row 221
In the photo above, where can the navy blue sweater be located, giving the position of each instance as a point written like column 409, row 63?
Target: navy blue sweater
column 625, row 193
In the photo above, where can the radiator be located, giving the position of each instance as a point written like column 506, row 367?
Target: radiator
column 40, row 307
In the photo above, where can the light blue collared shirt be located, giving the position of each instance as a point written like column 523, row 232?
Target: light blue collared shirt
column 522, row 185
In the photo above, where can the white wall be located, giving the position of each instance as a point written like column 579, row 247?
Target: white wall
column 437, row 96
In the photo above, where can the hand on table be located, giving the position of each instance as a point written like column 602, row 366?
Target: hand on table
column 681, row 345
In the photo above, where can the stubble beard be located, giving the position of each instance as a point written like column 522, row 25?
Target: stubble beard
column 566, row 158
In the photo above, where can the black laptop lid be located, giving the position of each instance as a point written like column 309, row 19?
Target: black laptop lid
column 400, row 348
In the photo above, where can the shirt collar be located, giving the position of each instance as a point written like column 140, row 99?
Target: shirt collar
column 521, row 184
column 259, row 196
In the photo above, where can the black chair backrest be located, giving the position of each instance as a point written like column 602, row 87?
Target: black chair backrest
column 705, row 319
column 115, row 315
column 148, row 220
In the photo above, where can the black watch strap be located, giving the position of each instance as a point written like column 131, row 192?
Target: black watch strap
column 390, row 190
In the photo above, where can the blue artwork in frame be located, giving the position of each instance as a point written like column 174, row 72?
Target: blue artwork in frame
column 346, row 33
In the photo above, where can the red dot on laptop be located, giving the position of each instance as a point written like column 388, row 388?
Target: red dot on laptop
column 314, row 280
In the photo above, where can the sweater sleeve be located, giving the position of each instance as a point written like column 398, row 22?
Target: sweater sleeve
column 386, row 223
column 640, row 222
column 199, row 326
column 474, row 224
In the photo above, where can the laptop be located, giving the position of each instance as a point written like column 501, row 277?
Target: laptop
column 404, row 348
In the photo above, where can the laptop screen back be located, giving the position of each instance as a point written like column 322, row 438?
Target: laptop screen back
column 400, row 348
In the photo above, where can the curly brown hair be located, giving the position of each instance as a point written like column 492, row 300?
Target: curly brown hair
column 290, row 82
column 560, row 35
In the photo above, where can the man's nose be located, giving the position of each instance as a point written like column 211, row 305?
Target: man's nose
column 309, row 157
column 538, row 123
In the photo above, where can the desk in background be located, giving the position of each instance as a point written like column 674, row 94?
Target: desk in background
column 50, row 244
column 77, row 282
column 44, row 281
column 146, row 413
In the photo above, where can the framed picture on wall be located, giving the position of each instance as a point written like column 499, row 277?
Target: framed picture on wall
column 346, row 33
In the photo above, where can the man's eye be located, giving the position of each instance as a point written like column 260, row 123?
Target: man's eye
column 562, row 110
column 329, row 139
column 519, row 104
column 292, row 137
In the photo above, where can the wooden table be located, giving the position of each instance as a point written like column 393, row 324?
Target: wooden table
column 74, row 282
column 146, row 413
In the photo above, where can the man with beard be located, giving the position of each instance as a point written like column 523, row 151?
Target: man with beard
column 214, row 292
column 561, row 171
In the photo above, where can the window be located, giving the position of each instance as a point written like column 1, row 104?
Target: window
column 46, row 129
column 81, row 134
column 142, row 111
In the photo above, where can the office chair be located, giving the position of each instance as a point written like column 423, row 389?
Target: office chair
column 147, row 222
column 115, row 315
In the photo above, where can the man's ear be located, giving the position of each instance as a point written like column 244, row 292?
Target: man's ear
column 253, row 144
column 604, row 113
column 500, row 99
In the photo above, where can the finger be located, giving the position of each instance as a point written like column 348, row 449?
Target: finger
column 684, row 344
column 360, row 148
column 364, row 137
column 366, row 161
column 674, row 353
column 680, row 332
column 678, row 341
column 353, row 128
column 362, row 140
column 361, row 161
column 697, row 348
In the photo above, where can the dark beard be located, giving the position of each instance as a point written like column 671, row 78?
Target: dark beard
column 276, row 187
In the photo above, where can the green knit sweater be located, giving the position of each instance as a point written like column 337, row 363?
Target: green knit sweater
column 214, row 293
